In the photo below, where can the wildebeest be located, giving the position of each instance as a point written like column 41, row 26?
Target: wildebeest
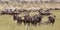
column 56, row 8
column 42, row 12
column 41, row 9
column 26, row 18
column 36, row 19
column 7, row 11
column 19, row 20
column 21, row 10
column 39, row 17
column 33, row 20
column 14, row 17
column 51, row 19
column 10, row 12
column 50, row 9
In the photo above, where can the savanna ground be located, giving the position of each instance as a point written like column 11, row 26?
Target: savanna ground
column 7, row 23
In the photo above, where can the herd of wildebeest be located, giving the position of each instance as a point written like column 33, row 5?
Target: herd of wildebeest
column 27, row 20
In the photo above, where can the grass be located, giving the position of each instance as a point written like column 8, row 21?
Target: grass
column 7, row 23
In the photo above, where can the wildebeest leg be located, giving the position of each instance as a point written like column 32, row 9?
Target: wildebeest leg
column 53, row 21
column 2, row 13
column 34, row 23
column 48, row 14
column 24, row 22
column 19, row 22
column 39, row 21
column 14, row 18
column 28, row 23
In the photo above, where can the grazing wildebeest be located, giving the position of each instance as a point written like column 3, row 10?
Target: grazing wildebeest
column 39, row 17
column 42, row 12
column 48, row 10
column 30, row 10
column 7, row 2
column 57, row 9
column 15, row 12
column 51, row 19
column 36, row 19
column 33, row 21
column 24, row 10
column 10, row 12
column 19, row 20
column 14, row 17
column 40, row 9
column 34, row 10
column 2, row 12
column 45, row 13
column 7, row 11
column 26, row 19
column 20, row 10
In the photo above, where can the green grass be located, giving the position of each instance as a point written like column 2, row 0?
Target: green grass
column 7, row 23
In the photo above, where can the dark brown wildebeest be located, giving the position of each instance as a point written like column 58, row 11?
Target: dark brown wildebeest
column 6, row 11
column 49, row 9
column 14, row 17
column 0, row 13
column 36, row 19
column 15, row 12
column 56, row 8
column 19, row 20
column 40, row 9
column 51, row 19
column 10, row 12
column 44, row 13
column 26, row 18
column 33, row 21
column 39, row 17
column 3, row 12
column 21, row 10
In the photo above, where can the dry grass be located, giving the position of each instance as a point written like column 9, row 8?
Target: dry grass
column 7, row 23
